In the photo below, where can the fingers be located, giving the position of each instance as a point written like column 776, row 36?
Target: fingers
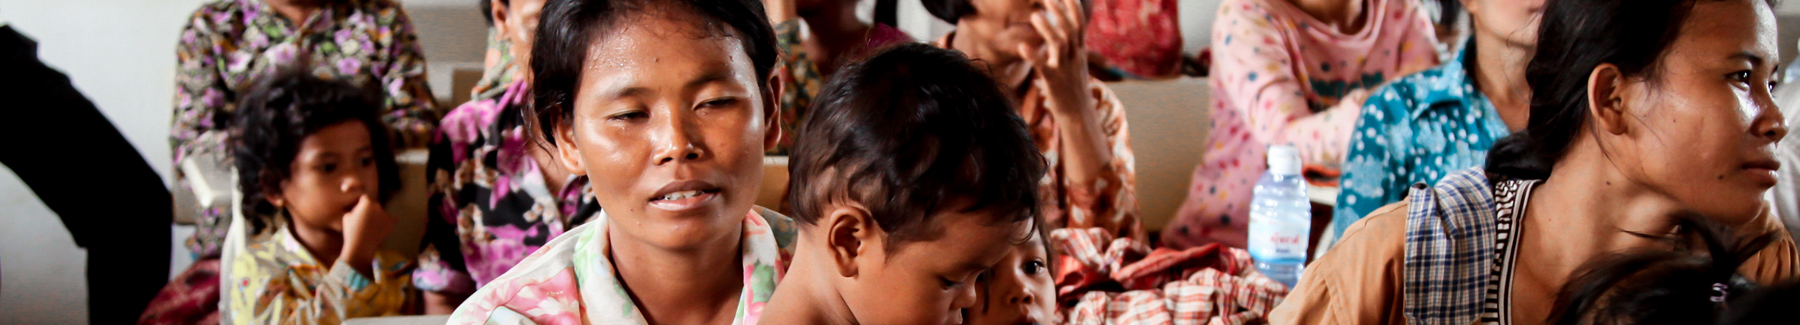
column 1053, row 39
column 1073, row 15
column 1034, row 56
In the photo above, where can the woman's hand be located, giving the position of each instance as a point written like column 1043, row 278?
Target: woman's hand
column 1061, row 62
column 364, row 228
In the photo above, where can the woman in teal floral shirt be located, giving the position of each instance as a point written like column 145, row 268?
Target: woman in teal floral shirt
column 228, row 44
column 1424, row 126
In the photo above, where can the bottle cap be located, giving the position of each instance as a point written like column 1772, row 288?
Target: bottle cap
column 1284, row 160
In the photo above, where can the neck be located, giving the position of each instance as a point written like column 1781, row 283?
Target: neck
column 835, row 31
column 680, row 286
column 323, row 244
column 1589, row 197
column 294, row 10
column 1004, row 65
column 1346, row 15
column 1499, row 72
column 806, row 295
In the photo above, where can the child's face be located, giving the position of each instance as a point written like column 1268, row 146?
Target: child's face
column 670, row 124
column 928, row 281
column 1019, row 290
column 335, row 167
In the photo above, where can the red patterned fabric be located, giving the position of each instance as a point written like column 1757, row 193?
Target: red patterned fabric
column 192, row 298
column 1127, row 283
column 1139, row 37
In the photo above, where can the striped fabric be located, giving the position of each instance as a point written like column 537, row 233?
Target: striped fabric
column 1157, row 291
column 1456, row 266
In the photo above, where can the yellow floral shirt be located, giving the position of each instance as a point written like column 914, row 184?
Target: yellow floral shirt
column 276, row 281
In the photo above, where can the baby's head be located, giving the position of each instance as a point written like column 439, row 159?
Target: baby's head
column 311, row 147
column 1694, row 283
column 912, row 175
column 1019, row 290
column 665, row 105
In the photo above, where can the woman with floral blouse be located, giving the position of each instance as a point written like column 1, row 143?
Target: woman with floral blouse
column 1034, row 48
column 229, row 44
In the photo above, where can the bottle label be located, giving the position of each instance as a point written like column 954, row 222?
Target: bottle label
column 1278, row 239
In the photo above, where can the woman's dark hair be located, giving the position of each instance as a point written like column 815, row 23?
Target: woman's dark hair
column 278, row 113
column 948, row 10
column 1766, row 306
column 1574, row 37
column 568, row 26
column 1661, row 286
column 909, row 133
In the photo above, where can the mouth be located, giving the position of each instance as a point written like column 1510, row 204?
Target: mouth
column 1769, row 165
column 684, row 195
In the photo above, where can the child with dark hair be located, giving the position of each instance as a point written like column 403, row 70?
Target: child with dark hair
column 1697, row 282
column 667, row 107
column 314, row 165
column 913, row 175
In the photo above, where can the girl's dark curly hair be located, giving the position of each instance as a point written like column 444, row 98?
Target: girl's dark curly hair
column 282, row 110
column 1662, row 286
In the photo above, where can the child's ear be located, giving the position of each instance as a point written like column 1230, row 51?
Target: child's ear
column 772, row 113
column 848, row 232
column 566, row 149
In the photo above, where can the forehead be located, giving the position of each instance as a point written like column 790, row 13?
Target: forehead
column 1718, row 29
column 349, row 134
column 662, row 43
column 968, row 238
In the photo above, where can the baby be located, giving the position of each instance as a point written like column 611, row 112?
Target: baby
column 912, row 175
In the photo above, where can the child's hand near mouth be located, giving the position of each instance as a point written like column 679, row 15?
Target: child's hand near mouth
column 365, row 226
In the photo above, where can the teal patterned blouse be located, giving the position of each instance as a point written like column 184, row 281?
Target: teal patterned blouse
column 1415, row 130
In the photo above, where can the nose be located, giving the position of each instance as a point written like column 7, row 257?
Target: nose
column 1772, row 124
column 352, row 184
column 965, row 298
column 676, row 140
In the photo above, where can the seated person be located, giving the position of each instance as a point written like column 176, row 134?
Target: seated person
column 913, row 176
column 1035, row 50
column 506, row 21
column 1624, row 134
column 497, row 194
column 228, row 44
column 1290, row 72
column 314, row 165
column 837, row 38
column 1423, row 126
column 666, row 106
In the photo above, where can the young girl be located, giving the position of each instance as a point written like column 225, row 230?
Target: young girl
column 1019, row 290
column 1290, row 72
column 667, row 107
column 314, row 166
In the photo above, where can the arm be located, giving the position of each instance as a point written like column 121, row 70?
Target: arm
column 264, row 293
column 1258, row 79
column 1110, row 196
column 412, row 109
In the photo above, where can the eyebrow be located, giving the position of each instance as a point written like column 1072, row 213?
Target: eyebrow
column 707, row 77
column 1755, row 60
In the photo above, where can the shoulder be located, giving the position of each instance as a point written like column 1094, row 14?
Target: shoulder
column 1777, row 263
column 1358, row 280
column 213, row 16
column 781, row 226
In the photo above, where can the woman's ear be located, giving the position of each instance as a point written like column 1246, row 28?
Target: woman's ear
column 849, row 233
column 497, row 10
column 1606, row 103
column 772, row 113
column 566, row 149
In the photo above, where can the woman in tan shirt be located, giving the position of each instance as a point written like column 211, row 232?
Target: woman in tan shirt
column 1641, row 109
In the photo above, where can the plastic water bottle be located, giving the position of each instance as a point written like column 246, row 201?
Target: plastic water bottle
column 1280, row 218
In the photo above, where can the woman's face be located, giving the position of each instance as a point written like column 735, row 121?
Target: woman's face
column 1513, row 21
column 333, row 169
column 670, row 124
column 1002, row 25
column 518, row 25
column 1703, row 132
column 1020, row 290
